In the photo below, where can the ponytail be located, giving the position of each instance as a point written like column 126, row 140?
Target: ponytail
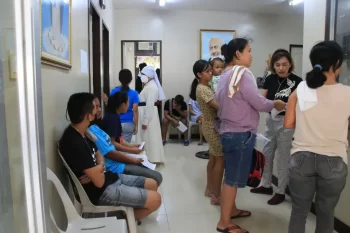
column 229, row 50
column 125, row 87
column 326, row 56
column 315, row 78
column 198, row 67
column 194, row 89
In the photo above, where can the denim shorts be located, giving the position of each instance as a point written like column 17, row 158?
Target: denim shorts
column 127, row 191
column 238, row 150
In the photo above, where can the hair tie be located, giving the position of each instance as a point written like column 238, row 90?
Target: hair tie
column 318, row 66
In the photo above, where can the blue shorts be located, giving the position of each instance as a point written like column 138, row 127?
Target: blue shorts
column 238, row 150
column 127, row 191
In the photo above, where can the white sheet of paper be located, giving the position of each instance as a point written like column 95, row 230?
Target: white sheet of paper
column 84, row 62
column 139, row 156
column 261, row 138
column 142, row 145
column 182, row 127
column 275, row 112
column 148, row 164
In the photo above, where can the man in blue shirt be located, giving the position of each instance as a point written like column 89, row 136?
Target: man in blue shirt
column 116, row 161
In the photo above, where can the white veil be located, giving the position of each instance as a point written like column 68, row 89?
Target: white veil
column 151, row 73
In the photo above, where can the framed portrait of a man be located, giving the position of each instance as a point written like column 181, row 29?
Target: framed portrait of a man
column 56, row 44
column 212, row 40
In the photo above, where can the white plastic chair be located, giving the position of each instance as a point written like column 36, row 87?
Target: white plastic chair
column 168, row 133
column 88, row 207
column 190, row 124
column 77, row 224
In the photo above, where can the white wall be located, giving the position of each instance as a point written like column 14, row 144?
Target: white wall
column 180, row 34
column 58, row 85
column 314, row 28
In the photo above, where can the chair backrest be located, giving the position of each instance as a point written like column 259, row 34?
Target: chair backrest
column 84, row 199
column 71, row 212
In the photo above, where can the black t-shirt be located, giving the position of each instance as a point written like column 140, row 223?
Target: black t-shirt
column 138, row 84
column 80, row 154
column 281, row 88
column 112, row 126
column 174, row 112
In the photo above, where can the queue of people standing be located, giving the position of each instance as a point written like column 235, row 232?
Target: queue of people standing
column 311, row 153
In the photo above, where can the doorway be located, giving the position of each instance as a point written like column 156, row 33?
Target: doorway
column 105, row 35
column 95, row 51
column 296, row 51
column 135, row 52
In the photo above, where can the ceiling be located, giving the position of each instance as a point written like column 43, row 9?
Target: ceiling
column 280, row 7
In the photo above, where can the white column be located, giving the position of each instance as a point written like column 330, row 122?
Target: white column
column 314, row 28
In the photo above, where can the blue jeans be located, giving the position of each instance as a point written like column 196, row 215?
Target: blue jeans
column 128, row 131
column 238, row 149
column 311, row 174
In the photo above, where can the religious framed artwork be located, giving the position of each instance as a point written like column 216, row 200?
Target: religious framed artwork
column 212, row 40
column 56, row 33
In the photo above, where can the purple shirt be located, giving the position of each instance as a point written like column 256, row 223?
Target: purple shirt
column 241, row 112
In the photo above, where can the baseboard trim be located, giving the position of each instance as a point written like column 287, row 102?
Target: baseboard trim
column 339, row 226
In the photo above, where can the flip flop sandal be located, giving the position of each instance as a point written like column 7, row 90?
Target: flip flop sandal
column 241, row 214
column 207, row 193
column 230, row 229
column 202, row 155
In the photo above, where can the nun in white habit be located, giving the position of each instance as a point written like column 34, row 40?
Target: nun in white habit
column 149, row 126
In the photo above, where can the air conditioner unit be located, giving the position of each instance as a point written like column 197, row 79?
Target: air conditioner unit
column 145, row 46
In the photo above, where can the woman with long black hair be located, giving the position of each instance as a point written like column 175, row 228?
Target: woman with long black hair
column 319, row 110
column 204, row 95
column 129, row 119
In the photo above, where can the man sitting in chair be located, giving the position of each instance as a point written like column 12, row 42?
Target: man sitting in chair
column 175, row 110
column 87, row 163
column 116, row 161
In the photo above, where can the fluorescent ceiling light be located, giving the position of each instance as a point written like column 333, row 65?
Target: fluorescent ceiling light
column 295, row 2
column 161, row 3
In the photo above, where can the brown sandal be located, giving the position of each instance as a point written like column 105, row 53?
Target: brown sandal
column 215, row 200
column 231, row 228
column 207, row 193
column 242, row 214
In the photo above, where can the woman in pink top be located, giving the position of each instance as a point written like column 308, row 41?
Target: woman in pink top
column 239, row 102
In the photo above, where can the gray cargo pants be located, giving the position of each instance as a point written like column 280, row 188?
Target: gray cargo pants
column 279, row 144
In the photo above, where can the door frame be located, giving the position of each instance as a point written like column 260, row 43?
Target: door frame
column 291, row 46
column 29, row 81
column 149, row 41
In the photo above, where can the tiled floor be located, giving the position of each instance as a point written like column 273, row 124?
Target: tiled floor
column 186, row 210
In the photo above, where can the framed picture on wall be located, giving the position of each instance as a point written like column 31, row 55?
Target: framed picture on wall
column 56, row 44
column 212, row 40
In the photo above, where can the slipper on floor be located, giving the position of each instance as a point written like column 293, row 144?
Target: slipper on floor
column 203, row 154
column 242, row 214
column 230, row 229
